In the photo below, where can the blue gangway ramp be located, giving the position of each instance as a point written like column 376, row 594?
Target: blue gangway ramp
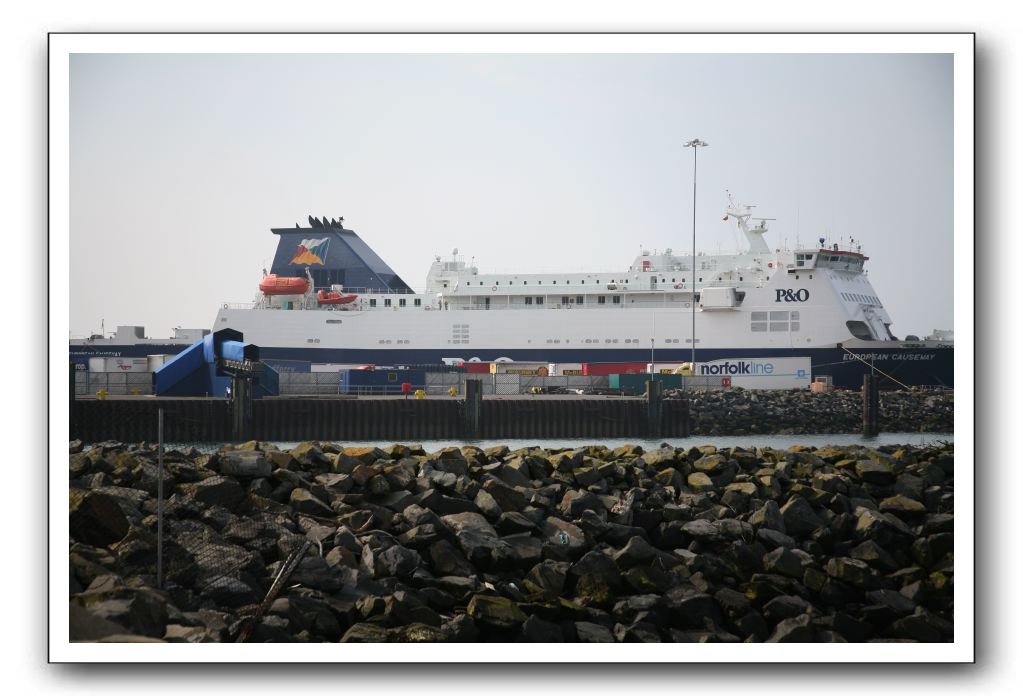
column 200, row 369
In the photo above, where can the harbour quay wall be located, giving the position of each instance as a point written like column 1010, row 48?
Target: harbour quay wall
column 726, row 412
column 374, row 418
column 800, row 412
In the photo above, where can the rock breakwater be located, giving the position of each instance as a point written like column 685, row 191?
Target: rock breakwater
column 800, row 412
column 537, row 545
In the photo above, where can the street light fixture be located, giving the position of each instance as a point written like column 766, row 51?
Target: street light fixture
column 695, row 144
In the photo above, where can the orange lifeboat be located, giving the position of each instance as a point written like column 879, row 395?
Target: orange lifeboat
column 277, row 285
column 324, row 297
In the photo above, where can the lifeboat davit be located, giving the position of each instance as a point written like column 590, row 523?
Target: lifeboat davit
column 324, row 297
column 278, row 285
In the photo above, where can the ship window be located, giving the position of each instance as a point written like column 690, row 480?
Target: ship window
column 481, row 282
column 667, row 340
column 401, row 303
column 794, row 316
column 779, row 326
column 578, row 299
column 701, row 280
column 539, row 300
column 740, row 278
column 616, row 299
column 794, row 326
column 614, row 340
column 564, row 299
column 601, row 299
column 524, row 282
column 779, row 316
column 555, row 282
column 387, row 302
column 529, row 300
column 759, row 316
column 607, row 340
column 557, row 340
column 758, row 326
column 417, row 302
column 373, row 302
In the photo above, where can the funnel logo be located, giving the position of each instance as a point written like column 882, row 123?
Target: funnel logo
column 312, row 251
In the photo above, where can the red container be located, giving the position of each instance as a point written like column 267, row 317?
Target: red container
column 480, row 368
column 616, row 368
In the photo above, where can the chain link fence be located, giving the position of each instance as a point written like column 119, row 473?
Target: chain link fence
column 204, row 523
column 114, row 383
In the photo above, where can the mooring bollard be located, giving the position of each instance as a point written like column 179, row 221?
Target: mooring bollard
column 473, row 407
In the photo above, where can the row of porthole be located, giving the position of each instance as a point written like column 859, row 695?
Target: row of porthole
column 387, row 341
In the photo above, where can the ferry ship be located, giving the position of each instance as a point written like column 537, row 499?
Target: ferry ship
column 329, row 298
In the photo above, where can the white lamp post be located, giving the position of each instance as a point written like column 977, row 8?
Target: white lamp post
column 695, row 144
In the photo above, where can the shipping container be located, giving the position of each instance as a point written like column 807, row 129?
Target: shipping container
column 119, row 365
column 480, row 368
column 520, row 368
column 759, row 373
column 379, row 381
column 155, row 361
column 635, row 385
column 337, row 367
column 566, row 369
column 665, row 368
column 615, row 368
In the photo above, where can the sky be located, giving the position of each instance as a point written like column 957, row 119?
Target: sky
column 181, row 164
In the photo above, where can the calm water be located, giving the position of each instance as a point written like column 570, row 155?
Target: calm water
column 749, row 441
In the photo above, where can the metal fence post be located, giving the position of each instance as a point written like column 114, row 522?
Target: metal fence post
column 72, row 422
column 159, row 499
column 473, row 407
column 870, row 405
column 654, row 408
